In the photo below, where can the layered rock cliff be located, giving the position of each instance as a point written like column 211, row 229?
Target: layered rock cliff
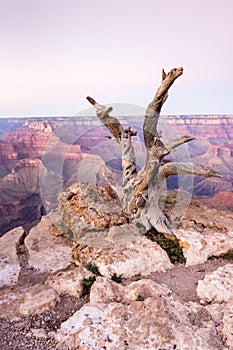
column 74, row 150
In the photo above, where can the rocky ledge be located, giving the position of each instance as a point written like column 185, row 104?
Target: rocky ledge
column 114, row 288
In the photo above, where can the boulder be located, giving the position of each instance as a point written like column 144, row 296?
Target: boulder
column 84, row 206
column 9, row 262
column 22, row 301
column 38, row 299
column 69, row 282
column 198, row 247
column 105, row 290
column 217, row 286
column 222, row 314
column 129, row 254
column 151, row 320
column 47, row 253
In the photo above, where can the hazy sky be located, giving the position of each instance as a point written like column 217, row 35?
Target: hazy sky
column 56, row 52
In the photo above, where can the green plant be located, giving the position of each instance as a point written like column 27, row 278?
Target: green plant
column 116, row 278
column 166, row 201
column 140, row 298
column 170, row 245
column 227, row 256
column 93, row 268
column 87, row 283
column 20, row 251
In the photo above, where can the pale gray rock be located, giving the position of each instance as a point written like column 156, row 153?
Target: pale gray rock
column 9, row 263
column 140, row 257
column 222, row 314
column 199, row 246
column 38, row 299
column 47, row 252
column 130, row 254
column 69, row 282
column 105, row 290
column 22, row 301
column 159, row 321
column 217, row 286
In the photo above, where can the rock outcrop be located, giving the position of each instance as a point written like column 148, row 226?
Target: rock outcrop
column 217, row 286
column 9, row 262
column 84, row 206
column 137, row 313
column 47, row 253
column 142, row 315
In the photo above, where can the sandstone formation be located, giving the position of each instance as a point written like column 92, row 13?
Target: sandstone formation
column 216, row 290
column 38, row 299
column 9, row 263
column 221, row 201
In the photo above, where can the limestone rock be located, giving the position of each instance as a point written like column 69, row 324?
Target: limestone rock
column 10, row 301
column 222, row 314
column 9, row 263
column 69, row 282
column 197, row 247
column 38, row 299
column 47, row 253
column 22, row 301
column 86, row 205
column 158, row 322
column 217, row 286
column 130, row 256
column 105, row 290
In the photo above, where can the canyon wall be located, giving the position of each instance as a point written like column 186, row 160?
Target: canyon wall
column 40, row 157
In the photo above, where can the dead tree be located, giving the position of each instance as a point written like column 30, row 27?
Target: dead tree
column 141, row 191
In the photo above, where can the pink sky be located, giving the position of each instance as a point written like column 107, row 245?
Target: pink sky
column 55, row 52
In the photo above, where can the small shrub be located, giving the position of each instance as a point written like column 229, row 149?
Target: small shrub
column 20, row 251
column 116, row 278
column 227, row 256
column 93, row 268
column 140, row 298
column 166, row 201
column 87, row 283
column 170, row 245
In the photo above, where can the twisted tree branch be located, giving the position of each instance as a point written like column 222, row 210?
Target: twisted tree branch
column 154, row 108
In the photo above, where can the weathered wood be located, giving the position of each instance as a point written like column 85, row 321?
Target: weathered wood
column 113, row 124
column 140, row 192
column 172, row 168
column 123, row 137
column 154, row 108
column 179, row 141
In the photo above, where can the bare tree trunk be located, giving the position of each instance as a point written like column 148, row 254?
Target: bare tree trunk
column 140, row 192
